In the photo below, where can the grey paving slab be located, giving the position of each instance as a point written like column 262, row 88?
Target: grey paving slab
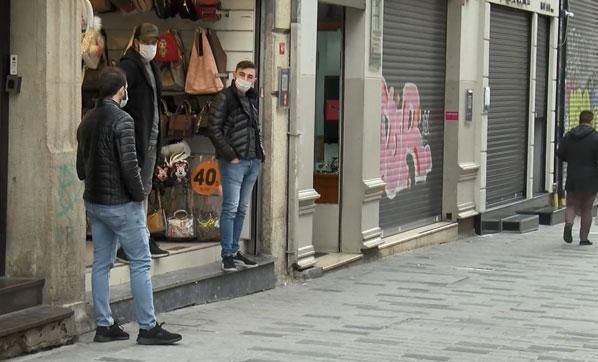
column 501, row 297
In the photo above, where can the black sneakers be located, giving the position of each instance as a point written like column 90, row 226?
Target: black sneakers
column 241, row 260
column 228, row 264
column 585, row 242
column 155, row 249
column 157, row 336
column 109, row 334
column 567, row 233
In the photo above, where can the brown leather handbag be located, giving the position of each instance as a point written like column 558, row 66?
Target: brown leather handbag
column 173, row 74
column 202, row 76
column 219, row 53
column 182, row 122
column 156, row 220
column 102, row 6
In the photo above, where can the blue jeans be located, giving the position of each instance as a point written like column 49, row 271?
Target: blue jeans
column 127, row 224
column 237, row 186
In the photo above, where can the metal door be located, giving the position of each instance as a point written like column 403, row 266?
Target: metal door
column 508, row 117
column 412, row 131
column 4, row 58
column 541, row 104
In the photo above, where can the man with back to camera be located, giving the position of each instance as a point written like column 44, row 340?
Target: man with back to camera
column 114, row 194
column 145, row 88
column 579, row 148
column 235, row 132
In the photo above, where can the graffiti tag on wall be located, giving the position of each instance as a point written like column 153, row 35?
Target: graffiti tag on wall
column 405, row 159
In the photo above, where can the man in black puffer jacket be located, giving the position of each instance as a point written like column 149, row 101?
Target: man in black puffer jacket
column 114, row 194
column 235, row 133
column 579, row 148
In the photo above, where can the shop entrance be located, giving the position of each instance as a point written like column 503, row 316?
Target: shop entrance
column 4, row 63
column 328, row 129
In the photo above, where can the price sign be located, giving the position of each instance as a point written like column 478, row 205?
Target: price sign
column 205, row 178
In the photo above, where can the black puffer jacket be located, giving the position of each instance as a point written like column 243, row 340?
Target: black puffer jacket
column 579, row 148
column 234, row 123
column 106, row 156
column 141, row 99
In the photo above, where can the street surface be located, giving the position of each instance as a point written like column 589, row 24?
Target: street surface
column 503, row 297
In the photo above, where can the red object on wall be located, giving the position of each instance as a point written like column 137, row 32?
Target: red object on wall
column 332, row 108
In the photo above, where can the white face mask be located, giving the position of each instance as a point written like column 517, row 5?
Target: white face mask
column 124, row 100
column 147, row 51
column 243, row 85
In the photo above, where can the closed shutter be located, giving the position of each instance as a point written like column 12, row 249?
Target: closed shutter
column 412, row 135
column 509, row 106
column 540, row 127
column 582, row 61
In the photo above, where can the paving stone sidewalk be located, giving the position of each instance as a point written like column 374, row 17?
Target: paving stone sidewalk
column 503, row 297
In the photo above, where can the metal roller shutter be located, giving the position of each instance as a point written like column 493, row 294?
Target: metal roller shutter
column 509, row 106
column 582, row 60
column 541, row 104
column 412, row 134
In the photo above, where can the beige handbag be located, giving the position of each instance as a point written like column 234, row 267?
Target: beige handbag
column 180, row 226
column 202, row 75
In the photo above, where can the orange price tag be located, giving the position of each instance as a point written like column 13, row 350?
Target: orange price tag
column 205, row 178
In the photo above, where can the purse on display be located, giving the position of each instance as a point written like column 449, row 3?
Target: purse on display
column 91, row 77
column 181, row 124
column 156, row 220
column 163, row 8
column 143, row 5
column 202, row 75
column 167, row 48
column 207, row 2
column 219, row 53
column 126, row 6
column 180, row 226
column 202, row 122
column 93, row 44
column 207, row 225
column 102, row 6
column 208, row 13
column 187, row 10
column 172, row 74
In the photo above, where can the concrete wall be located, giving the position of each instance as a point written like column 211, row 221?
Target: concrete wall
column 46, row 222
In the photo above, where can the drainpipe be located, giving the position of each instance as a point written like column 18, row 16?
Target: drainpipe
column 293, row 143
column 562, row 91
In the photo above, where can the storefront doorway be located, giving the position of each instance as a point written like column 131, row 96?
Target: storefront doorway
column 328, row 141
column 540, row 126
column 4, row 64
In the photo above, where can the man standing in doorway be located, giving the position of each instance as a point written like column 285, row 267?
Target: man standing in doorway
column 579, row 148
column 145, row 88
column 114, row 194
column 235, row 133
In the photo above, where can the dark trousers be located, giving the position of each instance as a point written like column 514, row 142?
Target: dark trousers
column 582, row 202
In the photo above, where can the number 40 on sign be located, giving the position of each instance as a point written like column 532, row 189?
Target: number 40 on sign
column 205, row 178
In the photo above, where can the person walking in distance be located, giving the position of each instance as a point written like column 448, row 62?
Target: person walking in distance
column 579, row 148
column 235, row 132
column 114, row 194
column 145, row 88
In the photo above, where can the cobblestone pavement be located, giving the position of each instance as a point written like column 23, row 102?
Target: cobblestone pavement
column 504, row 297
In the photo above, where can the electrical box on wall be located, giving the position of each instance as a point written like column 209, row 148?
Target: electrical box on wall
column 469, row 105
column 12, row 82
column 284, row 75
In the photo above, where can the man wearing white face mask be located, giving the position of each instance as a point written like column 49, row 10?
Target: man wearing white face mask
column 235, row 133
column 143, row 77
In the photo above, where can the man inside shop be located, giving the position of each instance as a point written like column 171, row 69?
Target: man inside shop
column 235, row 132
column 145, row 88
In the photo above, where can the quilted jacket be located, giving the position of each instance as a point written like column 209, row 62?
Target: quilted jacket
column 106, row 156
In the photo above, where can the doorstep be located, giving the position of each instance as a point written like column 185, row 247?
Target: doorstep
column 437, row 233
column 331, row 261
column 191, row 286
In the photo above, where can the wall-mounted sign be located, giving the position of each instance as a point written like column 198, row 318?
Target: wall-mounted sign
column 375, row 34
column 546, row 7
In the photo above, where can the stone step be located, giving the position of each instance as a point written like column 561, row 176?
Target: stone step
column 548, row 215
column 19, row 293
column 521, row 223
column 36, row 328
column 198, row 285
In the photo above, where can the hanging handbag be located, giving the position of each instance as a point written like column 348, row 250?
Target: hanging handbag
column 181, row 124
column 91, row 77
column 143, row 5
column 126, row 6
column 219, row 53
column 167, row 49
column 180, row 226
column 165, row 116
column 156, row 220
column 187, row 10
column 102, row 6
column 163, row 8
column 208, row 13
column 202, row 74
column 207, row 225
column 202, row 121
column 93, row 44
column 207, row 2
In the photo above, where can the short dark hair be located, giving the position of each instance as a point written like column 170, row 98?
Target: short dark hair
column 245, row 64
column 111, row 80
column 586, row 117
